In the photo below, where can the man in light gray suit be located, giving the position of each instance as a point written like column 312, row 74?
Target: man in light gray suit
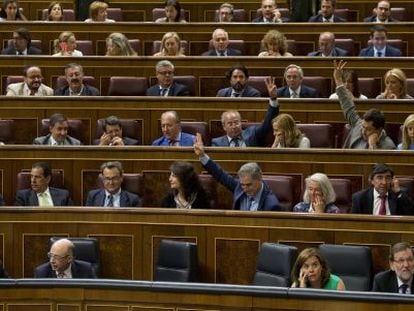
column 31, row 86
column 58, row 136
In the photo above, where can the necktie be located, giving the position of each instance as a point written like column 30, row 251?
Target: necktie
column 163, row 92
column 222, row 53
column 20, row 53
column 236, row 94
column 379, row 54
column 294, row 95
column 250, row 204
column 235, row 142
column 172, row 142
column 382, row 210
column 404, row 288
column 43, row 199
column 61, row 275
column 32, row 93
column 110, row 201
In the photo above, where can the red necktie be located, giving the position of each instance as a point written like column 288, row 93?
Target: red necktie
column 382, row 210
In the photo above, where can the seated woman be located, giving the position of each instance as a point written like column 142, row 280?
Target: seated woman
column 319, row 196
column 350, row 79
column 98, row 13
column 170, row 45
column 65, row 45
column 407, row 134
column 311, row 271
column 275, row 44
column 117, row 45
column 172, row 13
column 287, row 134
column 395, row 85
column 55, row 12
column 10, row 11
column 186, row 190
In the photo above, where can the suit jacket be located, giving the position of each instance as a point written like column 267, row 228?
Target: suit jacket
column 268, row 200
column 45, row 140
column 362, row 203
column 318, row 19
column 176, row 89
column 127, row 141
column 260, row 19
column 230, row 52
column 253, row 136
column 186, row 140
column 248, row 91
column 386, row 281
column 97, row 198
column 336, row 52
column 305, row 92
column 10, row 50
column 80, row 270
column 87, row 91
column 389, row 51
column 373, row 19
column 16, row 89
column 201, row 201
column 27, row 197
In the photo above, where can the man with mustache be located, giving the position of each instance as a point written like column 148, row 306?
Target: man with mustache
column 76, row 86
column 31, row 86
column 238, row 76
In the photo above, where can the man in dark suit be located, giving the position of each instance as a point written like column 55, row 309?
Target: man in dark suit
column 253, row 136
column 112, row 195
column 171, row 130
column 270, row 13
column 327, row 46
column 384, row 197
column 40, row 194
column 62, row 264
column 250, row 193
column 294, row 88
column 75, row 85
column 238, row 76
column 166, row 85
column 382, row 13
column 220, row 39
column 58, row 136
column 399, row 278
column 379, row 46
column 21, row 44
column 326, row 14
column 112, row 134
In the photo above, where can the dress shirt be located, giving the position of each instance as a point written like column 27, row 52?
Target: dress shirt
column 382, row 51
column 45, row 197
column 400, row 289
column 164, row 91
column 297, row 91
column 232, row 142
column 116, row 198
column 221, row 53
column 67, row 274
column 24, row 52
column 27, row 91
column 53, row 142
column 252, row 203
column 236, row 94
column 176, row 141
column 328, row 20
column 377, row 204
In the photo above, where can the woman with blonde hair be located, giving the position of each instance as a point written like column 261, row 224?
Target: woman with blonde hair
column 98, row 12
column 407, row 134
column 55, row 12
column 117, row 45
column 275, row 44
column 170, row 45
column 287, row 134
column 65, row 45
column 395, row 85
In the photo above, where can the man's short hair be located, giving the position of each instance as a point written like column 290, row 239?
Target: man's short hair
column 227, row 6
column 220, row 29
column 25, row 34
column 398, row 247
column 112, row 164
column 47, row 170
column 242, row 68
column 223, row 115
column 73, row 65
column 378, row 28
column 56, row 118
column 174, row 113
column 164, row 63
column 376, row 117
column 251, row 169
column 300, row 70
column 380, row 168
column 27, row 67
column 111, row 120
column 333, row 2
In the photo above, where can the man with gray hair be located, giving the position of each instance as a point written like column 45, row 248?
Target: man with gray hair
column 294, row 87
column 220, row 39
column 250, row 193
column 171, row 131
column 58, row 133
column 75, row 84
column 166, row 85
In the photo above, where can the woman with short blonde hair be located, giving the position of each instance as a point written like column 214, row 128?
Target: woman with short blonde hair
column 98, row 12
column 65, row 45
column 170, row 45
column 395, row 85
column 275, row 44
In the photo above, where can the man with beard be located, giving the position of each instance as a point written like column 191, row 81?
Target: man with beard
column 220, row 40
column 326, row 14
column 238, row 76
column 32, row 85
column 75, row 86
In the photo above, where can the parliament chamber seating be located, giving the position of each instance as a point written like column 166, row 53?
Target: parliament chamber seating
column 347, row 44
column 320, row 135
column 348, row 15
column 274, row 265
column 407, row 183
column 321, row 84
column 135, row 44
column 160, row 12
column 68, row 15
column 156, row 46
column 7, row 131
column 76, row 129
column 189, row 80
column 370, row 87
column 399, row 14
column 85, row 46
column 239, row 15
column 258, row 82
column 343, row 191
column 60, row 81
column 131, row 128
column 283, row 188
column 233, row 44
column 209, row 185
column 23, row 179
column 11, row 80
column 197, row 127
column 127, row 86
column 410, row 86
column 115, row 14
column 132, row 182
column 284, row 14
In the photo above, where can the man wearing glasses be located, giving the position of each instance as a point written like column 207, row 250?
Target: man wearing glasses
column 62, row 264
column 294, row 87
column 112, row 195
column 166, row 85
column 399, row 278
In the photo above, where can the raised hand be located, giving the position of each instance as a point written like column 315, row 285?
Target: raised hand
column 198, row 145
column 271, row 87
column 338, row 71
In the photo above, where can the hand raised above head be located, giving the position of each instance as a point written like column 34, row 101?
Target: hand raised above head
column 338, row 71
column 271, row 87
column 198, row 145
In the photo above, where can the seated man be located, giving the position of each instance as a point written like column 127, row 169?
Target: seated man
column 225, row 13
column 21, row 44
column 326, row 13
column 384, row 197
column 63, row 265
column 220, row 40
column 250, row 193
column 270, row 13
column 327, row 46
column 112, row 195
column 32, row 85
column 39, row 193
column 379, row 46
column 238, row 76
column 399, row 278
column 58, row 136
column 382, row 13
column 367, row 132
column 294, row 87
column 76, row 86
column 171, row 130
column 112, row 135
column 253, row 136
column 166, row 85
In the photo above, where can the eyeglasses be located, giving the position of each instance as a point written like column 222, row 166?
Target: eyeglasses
column 401, row 261
column 54, row 256
column 109, row 179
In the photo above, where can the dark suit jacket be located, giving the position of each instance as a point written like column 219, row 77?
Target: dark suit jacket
column 201, row 201
column 186, row 140
column 336, row 52
column 87, row 91
column 318, row 19
column 373, row 19
column 268, row 200
column 363, row 201
column 389, row 51
column 97, row 198
column 27, row 197
column 305, row 92
column 248, row 91
column 260, row 19
column 127, row 141
column 230, row 52
column 386, row 281
column 253, row 136
column 12, row 51
column 45, row 140
column 176, row 89
column 80, row 270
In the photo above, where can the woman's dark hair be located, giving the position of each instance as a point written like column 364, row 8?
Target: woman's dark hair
column 187, row 177
column 176, row 4
column 49, row 9
column 351, row 75
column 3, row 14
